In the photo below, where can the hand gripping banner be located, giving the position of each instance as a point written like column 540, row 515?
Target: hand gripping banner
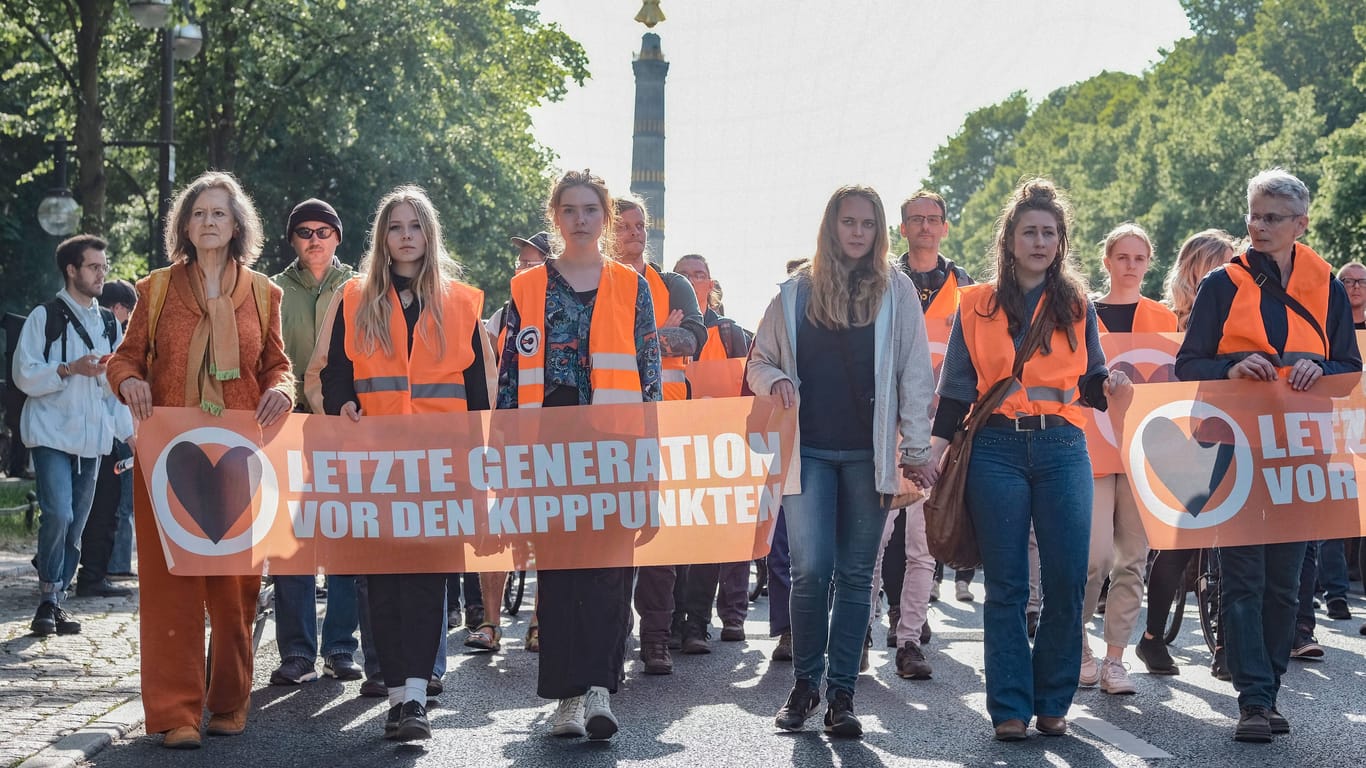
column 555, row 488
column 1228, row 463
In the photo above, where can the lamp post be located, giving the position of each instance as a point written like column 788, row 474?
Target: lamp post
column 59, row 214
column 182, row 42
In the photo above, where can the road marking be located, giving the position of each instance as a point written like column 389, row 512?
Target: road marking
column 1114, row 735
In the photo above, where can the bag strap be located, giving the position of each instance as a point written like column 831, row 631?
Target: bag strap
column 997, row 394
column 1271, row 285
column 158, row 282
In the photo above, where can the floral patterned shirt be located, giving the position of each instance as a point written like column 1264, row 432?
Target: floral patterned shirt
column 568, row 315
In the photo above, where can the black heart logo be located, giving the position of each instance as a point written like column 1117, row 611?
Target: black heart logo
column 1162, row 373
column 215, row 495
column 1191, row 467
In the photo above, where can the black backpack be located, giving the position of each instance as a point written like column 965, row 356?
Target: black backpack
column 59, row 317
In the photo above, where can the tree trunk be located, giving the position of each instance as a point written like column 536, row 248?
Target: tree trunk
column 90, row 179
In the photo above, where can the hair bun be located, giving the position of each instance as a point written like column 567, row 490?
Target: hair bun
column 1038, row 190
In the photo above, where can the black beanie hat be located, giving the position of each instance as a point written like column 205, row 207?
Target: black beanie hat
column 313, row 209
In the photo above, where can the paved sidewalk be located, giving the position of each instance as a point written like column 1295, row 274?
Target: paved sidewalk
column 50, row 687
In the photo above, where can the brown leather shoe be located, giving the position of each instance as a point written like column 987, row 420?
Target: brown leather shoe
column 656, row 657
column 1051, row 726
column 229, row 723
column 184, row 737
column 1012, row 730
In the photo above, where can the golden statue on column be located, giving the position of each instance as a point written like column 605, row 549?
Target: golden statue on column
column 650, row 14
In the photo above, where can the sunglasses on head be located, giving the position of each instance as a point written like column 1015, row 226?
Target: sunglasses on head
column 307, row 233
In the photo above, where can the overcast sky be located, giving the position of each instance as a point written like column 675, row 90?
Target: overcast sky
column 772, row 105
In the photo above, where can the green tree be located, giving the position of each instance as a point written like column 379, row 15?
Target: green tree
column 961, row 165
column 1338, row 211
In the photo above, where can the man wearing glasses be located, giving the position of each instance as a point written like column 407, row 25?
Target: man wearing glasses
column 70, row 418
column 309, row 283
column 1353, row 277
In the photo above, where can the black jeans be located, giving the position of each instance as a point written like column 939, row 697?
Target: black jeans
column 407, row 617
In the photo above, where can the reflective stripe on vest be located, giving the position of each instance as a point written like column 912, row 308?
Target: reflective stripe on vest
column 424, row 380
column 1149, row 317
column 615, row 376
column 672, row 374
column 1244, row 331
column 1048, row 384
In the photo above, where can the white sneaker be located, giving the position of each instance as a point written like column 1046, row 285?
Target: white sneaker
column 597, row 712
column 1090, row 670
column 568, row 718
column 1114, row 678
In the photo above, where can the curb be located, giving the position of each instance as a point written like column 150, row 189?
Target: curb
column 84, row 742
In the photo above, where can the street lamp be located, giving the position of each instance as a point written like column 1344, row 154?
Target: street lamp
column 150, row 14
column 59, row 214
column 183, row 42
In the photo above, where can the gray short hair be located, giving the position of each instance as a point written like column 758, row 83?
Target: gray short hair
column 1279, row 182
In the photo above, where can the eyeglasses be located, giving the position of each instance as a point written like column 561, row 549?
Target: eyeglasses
column 916, row 221
column 1354, row 282
column 306, row 233
column 529, row 264
column 100, row 269
column 1269, row 219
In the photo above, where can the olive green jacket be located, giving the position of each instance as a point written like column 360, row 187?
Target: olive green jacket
column 302, row 311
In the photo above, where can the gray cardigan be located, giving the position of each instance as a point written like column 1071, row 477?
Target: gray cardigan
column 904, row 377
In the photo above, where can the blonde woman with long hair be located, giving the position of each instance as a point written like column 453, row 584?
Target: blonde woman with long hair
column 407, row 319
column 844, row 342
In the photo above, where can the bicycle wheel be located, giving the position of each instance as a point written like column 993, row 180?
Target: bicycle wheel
column 1207, row 594
column 513, row 590
column 760, row 580
column 1178, row 614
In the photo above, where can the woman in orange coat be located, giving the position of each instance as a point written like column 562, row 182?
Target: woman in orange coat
column 209, row 351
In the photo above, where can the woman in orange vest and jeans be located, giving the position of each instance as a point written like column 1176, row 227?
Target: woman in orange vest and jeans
column 580, row 330
column 1029, row 462
column 1241, row 327
column 407, row 340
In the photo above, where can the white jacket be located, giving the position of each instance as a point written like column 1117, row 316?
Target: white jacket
column 904, row 377
column 78, row 415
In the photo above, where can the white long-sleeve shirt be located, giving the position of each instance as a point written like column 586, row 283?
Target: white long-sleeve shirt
column 78, row 415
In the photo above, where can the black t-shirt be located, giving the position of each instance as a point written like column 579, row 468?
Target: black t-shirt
column 836, row 371
column 1118, row 318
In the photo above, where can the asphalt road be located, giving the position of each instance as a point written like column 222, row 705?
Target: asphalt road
column 717, row 710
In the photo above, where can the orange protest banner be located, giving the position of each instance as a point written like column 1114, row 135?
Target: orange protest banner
column 716, row 378
column 554, row 488
column 1228, row 463
column 1146, row 358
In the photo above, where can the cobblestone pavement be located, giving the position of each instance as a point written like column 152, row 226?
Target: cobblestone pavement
column 52, row 686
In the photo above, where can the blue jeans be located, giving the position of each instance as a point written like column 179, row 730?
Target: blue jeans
column 367, row 639
column 779, row 579
column 1259, row 593
column 66, row 488
column 834, row 527
column 296, row 617
column 1333, row 568
column 121, row 558
column 1015, row 478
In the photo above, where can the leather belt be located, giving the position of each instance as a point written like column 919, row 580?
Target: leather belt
column 1026, row 423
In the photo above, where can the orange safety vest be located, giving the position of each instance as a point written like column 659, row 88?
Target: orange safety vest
column 1244, row 331
column 945, row 303
column 423, row 380
column 615, row 377
column 714, row 349
column 1048, row 384
column 1149, row 317
column 672, row 369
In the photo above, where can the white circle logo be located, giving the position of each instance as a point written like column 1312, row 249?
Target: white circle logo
column 214, row 495
column 1190, row 470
